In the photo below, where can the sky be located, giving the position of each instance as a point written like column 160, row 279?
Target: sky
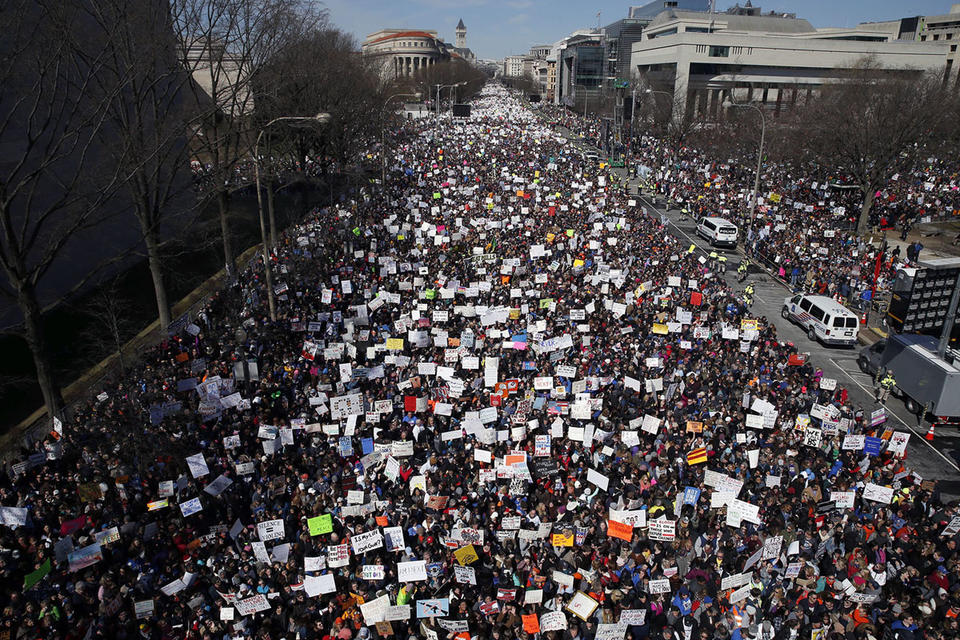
column 498, row 28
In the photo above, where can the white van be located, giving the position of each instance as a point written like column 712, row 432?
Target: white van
column 719, row 232
column 825, row 319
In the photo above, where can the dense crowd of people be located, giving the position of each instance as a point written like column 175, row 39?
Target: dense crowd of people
column 500, row 401
column 828, row 258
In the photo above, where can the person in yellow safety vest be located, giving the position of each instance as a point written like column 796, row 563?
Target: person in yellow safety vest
column 885, row 384
column 742, row 270
column 723, row 264
column 748, row 294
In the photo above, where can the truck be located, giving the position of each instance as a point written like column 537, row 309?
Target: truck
column 924, row 380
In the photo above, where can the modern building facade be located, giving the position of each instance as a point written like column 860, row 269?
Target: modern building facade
column 513, row 66
column 703, row 58
column 620, row 36
column 403, row 52
column 943, row 28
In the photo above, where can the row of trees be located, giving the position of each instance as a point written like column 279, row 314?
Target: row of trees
column 864, row 129
column 105, row 103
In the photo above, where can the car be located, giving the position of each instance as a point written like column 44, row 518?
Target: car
column 826, row 320
column 719, row 232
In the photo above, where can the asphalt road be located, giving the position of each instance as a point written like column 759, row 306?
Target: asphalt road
column 938, row 460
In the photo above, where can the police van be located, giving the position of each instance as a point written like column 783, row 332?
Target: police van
column 717, row 231
column 825, row 319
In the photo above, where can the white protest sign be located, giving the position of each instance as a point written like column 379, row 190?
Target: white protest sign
column 664, row 530
column 368, row 541
column 270, row 530
column 415, row 571
column 877, row 493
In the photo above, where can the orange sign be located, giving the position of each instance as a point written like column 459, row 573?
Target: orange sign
column 619, row 530
column 531, row 624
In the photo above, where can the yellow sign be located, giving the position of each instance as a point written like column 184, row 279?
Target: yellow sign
column 660, row 329
column 562, row 539
column 577, row 263
column 748, row 325
column 395, row 344
column 466, row 555
column 775, row 197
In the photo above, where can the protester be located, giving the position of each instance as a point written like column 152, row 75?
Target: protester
column 500, row 400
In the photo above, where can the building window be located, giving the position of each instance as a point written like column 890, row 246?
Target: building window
column 953, row 48
column 949, row 36
column 719, row 52
column 936, row 36
column 923, row 38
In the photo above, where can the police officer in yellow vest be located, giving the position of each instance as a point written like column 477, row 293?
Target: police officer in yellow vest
column 748, row 295
column 884, row 385
column 742, row 270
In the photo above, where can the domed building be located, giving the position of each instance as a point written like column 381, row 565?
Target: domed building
column 403, row 52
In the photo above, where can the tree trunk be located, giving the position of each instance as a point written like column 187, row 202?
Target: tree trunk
column 37, row 342
column 273, row 220
column 229, row 260
column 863, row 224
column 156, row 273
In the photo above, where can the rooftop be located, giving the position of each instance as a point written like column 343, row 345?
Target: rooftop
column 732, row 22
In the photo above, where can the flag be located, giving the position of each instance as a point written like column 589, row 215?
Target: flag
column 697, row 456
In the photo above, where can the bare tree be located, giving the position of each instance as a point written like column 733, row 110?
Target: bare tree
column 111, row 321
column 54, row 187
column 147, row 122
column 669, row 116
column 225, row 45
column 873, row 125
column 316, row 72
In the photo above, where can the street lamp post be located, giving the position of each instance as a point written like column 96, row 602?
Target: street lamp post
column 383, row 144
column 320, row 118
column 439, row 88
column 763, row 133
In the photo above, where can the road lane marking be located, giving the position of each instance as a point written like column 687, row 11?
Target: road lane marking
column 899, row 419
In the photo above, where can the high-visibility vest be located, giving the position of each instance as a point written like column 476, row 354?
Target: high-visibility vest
column 888, row 382
column 737, row 615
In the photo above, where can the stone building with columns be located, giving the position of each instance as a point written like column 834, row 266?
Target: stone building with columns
column 770, row 58
column 403, row 52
